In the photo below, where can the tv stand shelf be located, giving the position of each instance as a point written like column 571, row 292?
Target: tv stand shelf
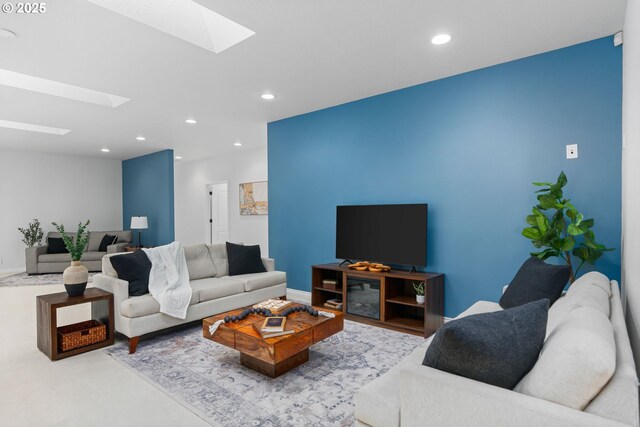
column 396, row 303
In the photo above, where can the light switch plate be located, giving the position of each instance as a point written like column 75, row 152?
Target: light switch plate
column 572, row 151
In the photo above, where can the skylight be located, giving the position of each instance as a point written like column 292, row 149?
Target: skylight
column 50, row 87
column 33, row 128
column 184, row 19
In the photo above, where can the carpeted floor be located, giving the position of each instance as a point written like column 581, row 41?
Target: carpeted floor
column 23, row 279
column 208, row 379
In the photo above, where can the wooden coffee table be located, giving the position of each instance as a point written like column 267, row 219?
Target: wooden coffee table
column 273, row 356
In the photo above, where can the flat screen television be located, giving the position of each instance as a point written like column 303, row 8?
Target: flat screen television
column 391, row 234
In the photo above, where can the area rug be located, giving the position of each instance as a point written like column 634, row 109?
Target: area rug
column 23, row 279
column 208, row 379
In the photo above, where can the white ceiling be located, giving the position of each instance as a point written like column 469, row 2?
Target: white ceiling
column 311, row 54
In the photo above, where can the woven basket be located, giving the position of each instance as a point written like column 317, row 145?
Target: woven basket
column 81, row 334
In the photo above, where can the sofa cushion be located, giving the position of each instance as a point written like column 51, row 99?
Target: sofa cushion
column 218, row 254
column 216, row 287
column 576, row 362
column 55, row 245
column 536, row 280
column 107, row 268
column 199, row 262
column 135, row 269
column 261, row 280
column 378, row 402
column 584, row 294
column 145, row 305
column 496, row 348
column 593, row 278
column 244, row 259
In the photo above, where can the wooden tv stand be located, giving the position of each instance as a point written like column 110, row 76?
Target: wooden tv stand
column 398, row 307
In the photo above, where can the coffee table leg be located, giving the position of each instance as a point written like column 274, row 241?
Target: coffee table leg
column 274, row 370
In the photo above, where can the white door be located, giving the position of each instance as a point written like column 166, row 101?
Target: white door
column 219, row 218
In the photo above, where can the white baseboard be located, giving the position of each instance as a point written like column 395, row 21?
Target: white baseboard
column 11, row 271
column 299, row 296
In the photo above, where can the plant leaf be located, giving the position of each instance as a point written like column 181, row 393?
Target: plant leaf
column 531, row 233
column 573, row 230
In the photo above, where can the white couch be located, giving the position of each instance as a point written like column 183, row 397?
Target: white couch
column 411, row 394
column 213, row 292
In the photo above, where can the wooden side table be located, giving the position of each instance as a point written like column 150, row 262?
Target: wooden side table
column 47, row 315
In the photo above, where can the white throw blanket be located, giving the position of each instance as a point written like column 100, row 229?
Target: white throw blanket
column 169, row 279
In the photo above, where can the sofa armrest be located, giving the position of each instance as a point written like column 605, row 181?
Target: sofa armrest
column 118, row 287
column 450, row 400
column 31, row 255
column 118, row 247
column 269, row 264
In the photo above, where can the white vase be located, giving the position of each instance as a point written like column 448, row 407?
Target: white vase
column 420, row 299
column 75, row 278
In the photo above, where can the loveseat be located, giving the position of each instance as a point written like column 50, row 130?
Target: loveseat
column 411, row 394
column 213, row 292
column 40, row 262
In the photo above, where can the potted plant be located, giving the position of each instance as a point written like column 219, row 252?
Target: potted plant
column 419, row 288
column 560, row 230
column 76, row 276
column 32, row 235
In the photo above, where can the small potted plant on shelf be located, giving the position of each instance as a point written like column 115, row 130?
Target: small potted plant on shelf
column 76, row 276
column 419, row 288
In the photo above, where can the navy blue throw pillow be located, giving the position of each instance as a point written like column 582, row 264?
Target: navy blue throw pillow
column 56, row 246
column 106, row 241
column 534, row 281
column 244, row 259
column 134, row 268
column 496, row 348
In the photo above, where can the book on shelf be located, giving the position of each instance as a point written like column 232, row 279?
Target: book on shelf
column 334, row 304
column 258, row 327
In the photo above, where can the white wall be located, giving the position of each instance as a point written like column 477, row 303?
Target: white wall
column 191, row 202
column 631, row 173
column 49, row 187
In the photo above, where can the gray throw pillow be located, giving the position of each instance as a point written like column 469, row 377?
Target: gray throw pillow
column 497, row 348
column 536, row 280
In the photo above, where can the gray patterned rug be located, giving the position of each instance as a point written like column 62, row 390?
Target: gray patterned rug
column 208, row 379
column 23, row 279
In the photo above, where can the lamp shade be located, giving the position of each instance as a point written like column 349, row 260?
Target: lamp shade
column 139, row 223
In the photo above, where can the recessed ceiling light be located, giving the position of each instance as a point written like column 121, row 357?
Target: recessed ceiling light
column 33, row 128
column 105, row 150
column 238, row 144
column 185, row 19
column 178, row 157
column 7, row 34
column 441, row 39
column 268, row 96
column 141, row 138
column 191, row 121
column 63, row 90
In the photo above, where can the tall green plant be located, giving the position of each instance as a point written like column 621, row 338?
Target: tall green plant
column 82, row 238
column 32, row 235
column 560, row 230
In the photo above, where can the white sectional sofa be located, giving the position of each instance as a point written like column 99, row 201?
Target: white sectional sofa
column 213, row 292
column 411, row 394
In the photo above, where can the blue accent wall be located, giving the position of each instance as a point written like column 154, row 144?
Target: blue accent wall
column 147, row 190
column 470, row 146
